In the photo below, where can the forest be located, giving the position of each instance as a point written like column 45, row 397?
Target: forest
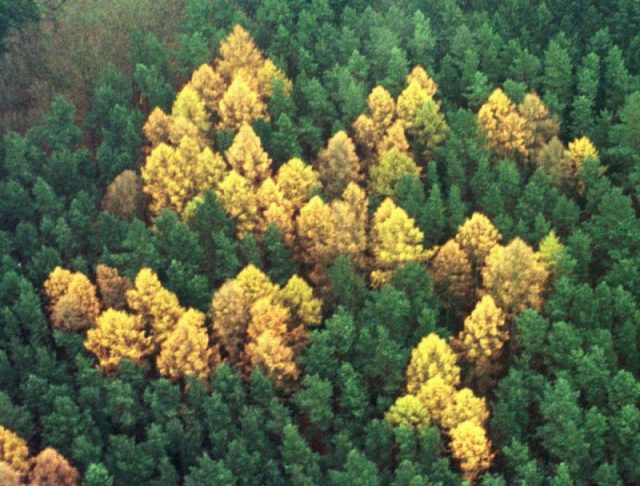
column 364, row 243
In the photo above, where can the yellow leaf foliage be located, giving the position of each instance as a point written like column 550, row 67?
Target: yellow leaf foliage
column 9, row 476
column 408, row 411
column 471, row 447
column 507, row 130
column 315, row 232
column 73, row 301
column 186, row 350
column 209, row 85
column 275, row 210
column 267, row 74
column 124, row 196
column 297, row 181
column 391, row 167
column 112, row 287
column 431, row 358
column 410, row 101
column 419, row 74
column 14, row 451
column 395, row 240
column 579, row 150
column 515, row 276
column 157, row 128
column 255, row 284
column 156, row 306
column 238, row 53
column 239, row 201
column 436, row 395
column 366, row 133
column 429, row 128
column 247, row 157
column 189, row 106
column 452, row 276
column 57, row 285
column 230, row 311
column 542, row 127
column 271, row 353
column 267, row 314
column 297, row 296
column 464, row 406
column 381, row 108
column 394, row 139
column 51, row 469
column 118, row 336
column 240, row 105
column 338, row 164
column 551, row 251
column 477, row 236
column 350, row 215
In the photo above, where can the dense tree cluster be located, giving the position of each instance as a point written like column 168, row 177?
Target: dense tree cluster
column 309, row 243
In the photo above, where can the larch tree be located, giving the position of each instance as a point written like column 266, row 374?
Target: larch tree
column 515, row 276
column 73, row 300
column 551, row 252
column 112, row 287
column 238, row 199
column 419, row 74
column 483, row 336
column 551, row 158
column 429, row 128
column 432, row 357
column 247, row 157
column 436, row 394
column 186, row 350
column 394, row 239
column 209, row 85
column 240, row 105
column 395, row 138
column 297, row 296
column 477, row 236
column 274, row 209
column 271, row 353
column 507, row 131
column 338, row 164
column 316, row 234
column 230, row 318
column 408, row 411
column 541, row 125
column 350, row 217
column 463, row 406
column 124, row 196
column 410, row 101
column 118, row 336
column 51, row 469
column 390, row 168
column 157, row 307
column 158, row 127
column 238, row 54
column 14, row 451
column 267, row 314
column 57, row 284
column 453, row 277
column 190, row 107
column 472, row 449
column 382, row 108
column 297, row 181
column 578, row 151
column 9, row 476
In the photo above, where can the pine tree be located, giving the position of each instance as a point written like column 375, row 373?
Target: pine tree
column 557, row 78
column 338, row 164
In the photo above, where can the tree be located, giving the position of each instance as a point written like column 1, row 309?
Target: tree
column 209, row 85
column 238, row 53
column 350, row 218
column 452, row 277
column 297, row 181
column 158, row 127
column 9, row 476
column 410, row 101
column 240, row 105
column 118, row 336
column 579, row 150
column 297, row 296
column 14, row 451
column 470, row 446
column 112, row 287
column 239, row 201
column 338, row 164
column 189, row 107
column 515, row 277
column 51, row 469
column 557, row 78
column 73, row 301
column 271, row 353
column 391, row 167
column 247, row 157
column 408, row 411
column 432, row 358
column 394, row 239
column 186, row 350
column 429, row 128
column 542, row 127
column 315, row 231
column 477, row 237
column 275, row 210
column 381, row 108
column 124, row 196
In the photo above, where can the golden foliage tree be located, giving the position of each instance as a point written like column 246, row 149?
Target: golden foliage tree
column 247, row 157
column 464, row 406
column 431, row 358
column 484, row 335
column 14, row 451
column 9, row 476
column 271, row 353
column 419, row 74
column 297, row 182
column 240, row 105
column 172, row 177
column 367, row 134
column 209, row 85
column 73, row 302
column 551, row 251
column 51, row 469
column 158, row 127
column 507, row 130
column 338, row 164
column 238, row 54
column 298, row 296
column 410, row 101
column 315, row 232
column 408, row 411
column 186, row 350
column 275, row 209
column 157, row 307
column 551, row 158
column 118, row 336
column 542, row 127
column 394, row 239
column 436, row 394
column 578, row 151
column 381, row 108
column 452, row 277
column 190, row 107
column 515, row 276
column 239, row 201
column 124, row 196
column 429, row 129
column 112, row 287
column 477, row 236
column 230, row 318
column 350, row 215
column 391, row 167
column 471, row 447
column 394, row 138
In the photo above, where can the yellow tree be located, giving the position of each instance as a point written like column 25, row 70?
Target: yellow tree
column 394, row 138
column 297, row 296
column 157, row 307
column 112, row 287
column 51, row 469
column 255, row 284
column 394, row 240
column 408, row 411
column 463, row 406
column 190, row 107
column 579, row 150
column 124, row 196
column 9, row 476
column 238, row 54
column 367, row 134
column 472, row 449
column 436, row 394
column 186, row 350
column 158, row 127
column 271, row 353
column 316, row 234
column 542, row 127
column 266, row 75
column 484, row 335
column 381, row 108
column 391, row 167
column 14, row 451
column 477, row 236
column 240, row 105
column 507, row 130
column 350, row 215
column 267, row 314
column 338, row 164
column 118, row 336
column 410, row 101
column 275, row 209
column 297, row 181
column 209, row 85
column 429, row 128
column 419, row 74
column 230, row 313
column 238, row 198
column 515, row 276
column 431, row 358
column 73, row 300
column 247, row 157
column 452, row 277
column 551, row 252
